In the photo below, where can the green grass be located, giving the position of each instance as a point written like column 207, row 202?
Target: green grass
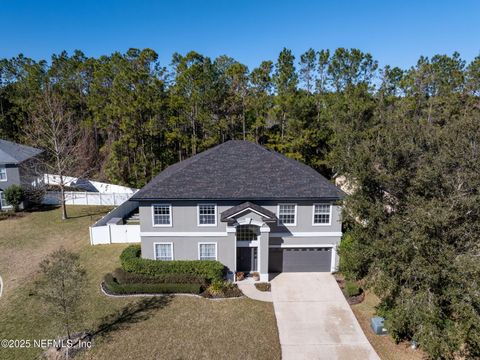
column 128, row 328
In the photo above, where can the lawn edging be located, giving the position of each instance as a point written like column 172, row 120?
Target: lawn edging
column 107, row 293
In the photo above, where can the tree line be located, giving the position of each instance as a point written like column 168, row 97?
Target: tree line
column 407, row 141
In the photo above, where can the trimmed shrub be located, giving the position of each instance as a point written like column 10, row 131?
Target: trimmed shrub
column 352, row 289
column 123, row 277
column 160, row 288
column 133, row 263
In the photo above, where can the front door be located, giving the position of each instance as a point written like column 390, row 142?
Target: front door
column 246, row 259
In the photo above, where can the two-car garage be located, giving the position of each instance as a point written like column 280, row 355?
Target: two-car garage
column 300, row 259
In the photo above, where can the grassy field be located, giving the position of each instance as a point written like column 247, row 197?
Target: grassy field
column 135, row 328
column 384, row 345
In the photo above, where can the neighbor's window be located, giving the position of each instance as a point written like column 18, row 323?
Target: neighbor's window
column 247, row 232
column 3, row 173
column 3, row 202
column 207, row 214
column 163, row 252
column 162, row 215
column 208, row 251
column 321, row 214
column 286, row 213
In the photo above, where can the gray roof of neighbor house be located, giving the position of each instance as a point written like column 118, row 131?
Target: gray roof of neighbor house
column 238, row 170
column 13, row 153
column 244, row 206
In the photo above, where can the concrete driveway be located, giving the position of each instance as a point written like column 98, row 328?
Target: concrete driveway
column 315, row 321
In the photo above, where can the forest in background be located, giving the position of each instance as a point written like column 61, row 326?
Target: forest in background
column 407, row 139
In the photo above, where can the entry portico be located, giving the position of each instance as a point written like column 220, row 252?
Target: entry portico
column 248, row 223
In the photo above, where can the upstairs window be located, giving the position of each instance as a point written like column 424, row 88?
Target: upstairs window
column 321, row 214
column 3, row 173
column 164, row 251
column 207, row 251
column 287, row 214
column 207, row 215
column 162, row 215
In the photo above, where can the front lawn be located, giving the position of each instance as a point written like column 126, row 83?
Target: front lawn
column 128, row 328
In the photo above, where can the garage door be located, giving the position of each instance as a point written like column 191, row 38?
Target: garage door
column 299, row 259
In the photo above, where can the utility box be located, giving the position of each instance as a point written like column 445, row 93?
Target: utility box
column 377, row 324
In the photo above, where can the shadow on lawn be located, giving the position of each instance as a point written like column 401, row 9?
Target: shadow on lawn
column 89, row 213
column 130, row 314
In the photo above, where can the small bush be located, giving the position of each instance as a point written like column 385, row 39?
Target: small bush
column 263, row 286
column 123, row 277
column 14, row 196
column 352, row 289
column 116, row 288
column 222, row 289
column 133, row 263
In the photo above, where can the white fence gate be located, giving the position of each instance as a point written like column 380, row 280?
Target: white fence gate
column 108, row 231
column 114, row 234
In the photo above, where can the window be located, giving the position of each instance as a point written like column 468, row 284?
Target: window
column 3, row 202
column 207, row 251
column 287, row 214
column 162, row 215
column 3, row 173
column 207, row 215
column 321, row 214
column 247, row 232
column 164, row 251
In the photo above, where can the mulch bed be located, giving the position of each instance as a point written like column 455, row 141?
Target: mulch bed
column 352, row 300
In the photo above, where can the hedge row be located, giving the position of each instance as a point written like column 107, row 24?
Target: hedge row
column 116, row 288
column 123, row 277
column 133, row 263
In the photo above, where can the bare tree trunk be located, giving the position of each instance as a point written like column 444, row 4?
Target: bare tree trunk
column 62, row 199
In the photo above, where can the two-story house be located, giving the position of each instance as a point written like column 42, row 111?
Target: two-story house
column 248, row 207
column 18, row 166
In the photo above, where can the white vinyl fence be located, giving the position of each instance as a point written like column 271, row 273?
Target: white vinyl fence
column 111, row 230
column 86, row 198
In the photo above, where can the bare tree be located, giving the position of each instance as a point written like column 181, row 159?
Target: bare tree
column 53, row 128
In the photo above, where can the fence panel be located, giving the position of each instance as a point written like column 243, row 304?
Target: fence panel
column 86, row 198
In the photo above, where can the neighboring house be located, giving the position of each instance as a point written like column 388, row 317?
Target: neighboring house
column 17, row 166
column 248, row 207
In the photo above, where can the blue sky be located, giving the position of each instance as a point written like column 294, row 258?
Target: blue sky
column 396, row 33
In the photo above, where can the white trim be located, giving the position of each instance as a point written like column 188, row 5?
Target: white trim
column 249, row 221
column 198, row 215
column 155, row 249
column 208, row 243
column 333, row 265
column 6, row 175
column 185, row 234
column 153, row 215
column 303, row 246
column 329, row 216
column 224, row 234
column 252, row 210
column 279, row 222
column 307, row 234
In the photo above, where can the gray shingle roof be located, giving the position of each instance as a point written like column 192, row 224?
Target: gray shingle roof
column 239, row 170
column 247, row 205
column 13, row 153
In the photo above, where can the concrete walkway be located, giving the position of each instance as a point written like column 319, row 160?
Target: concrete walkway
column 315, row 321
column 249, row 290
